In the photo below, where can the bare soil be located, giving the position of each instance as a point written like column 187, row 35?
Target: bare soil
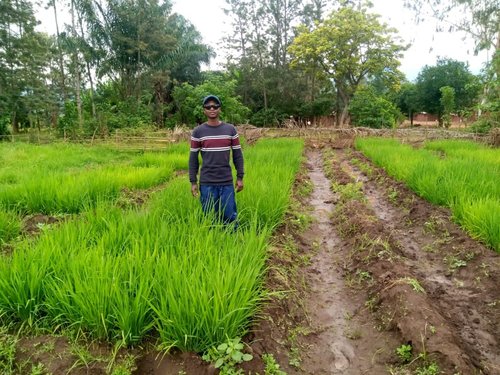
column 363, row 277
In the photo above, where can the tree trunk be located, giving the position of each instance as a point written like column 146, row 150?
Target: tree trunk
column 77, row 71
column 89, row 72
column 60, row 57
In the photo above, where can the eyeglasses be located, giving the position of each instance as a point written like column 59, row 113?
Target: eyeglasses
column 211, row 106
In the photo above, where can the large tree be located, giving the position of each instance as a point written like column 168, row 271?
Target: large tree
column 349, row 46
column 258, row 55
column 446, row 72
column 24, row 58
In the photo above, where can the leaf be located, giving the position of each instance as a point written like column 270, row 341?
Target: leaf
column 236, row 356
column 247, row 357
column 219, row 363
column 222, row 347
column 238, row 346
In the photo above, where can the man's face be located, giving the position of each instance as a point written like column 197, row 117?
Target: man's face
column 211, row 109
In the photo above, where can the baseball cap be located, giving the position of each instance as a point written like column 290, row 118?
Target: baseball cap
column 211, row 97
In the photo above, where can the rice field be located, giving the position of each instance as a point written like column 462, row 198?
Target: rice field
column 461, row 175
column 160, row 269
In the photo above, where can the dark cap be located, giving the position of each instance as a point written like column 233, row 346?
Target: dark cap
column 211, row 97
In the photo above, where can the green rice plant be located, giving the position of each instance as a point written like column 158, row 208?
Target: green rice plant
column 174, row 156
column 10, row 226
column 464, row 179
column 481, row 217
column 53, row 190
column 271, row 166
column 118, row 275
column 21, row 286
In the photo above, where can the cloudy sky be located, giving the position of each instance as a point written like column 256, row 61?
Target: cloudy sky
column 426, row 45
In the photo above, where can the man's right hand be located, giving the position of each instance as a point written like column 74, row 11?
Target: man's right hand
column 194, row 190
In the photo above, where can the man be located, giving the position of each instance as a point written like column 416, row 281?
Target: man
column 216, row 140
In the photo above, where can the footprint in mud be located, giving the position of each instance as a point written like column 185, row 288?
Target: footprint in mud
column 344, row 354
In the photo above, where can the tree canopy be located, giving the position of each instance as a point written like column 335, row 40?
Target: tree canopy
column 349, row 46
column 451, row 73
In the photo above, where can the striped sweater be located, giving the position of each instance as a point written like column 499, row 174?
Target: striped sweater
column 215, row 144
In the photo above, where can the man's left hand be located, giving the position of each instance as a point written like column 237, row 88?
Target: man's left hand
column 239, row 185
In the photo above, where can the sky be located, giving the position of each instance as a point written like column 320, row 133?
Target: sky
column 426, row 44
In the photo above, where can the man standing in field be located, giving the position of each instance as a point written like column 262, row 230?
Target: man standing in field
column 216, row 140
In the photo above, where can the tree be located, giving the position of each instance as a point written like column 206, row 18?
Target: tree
column 188, row 98
column 407, row 100
column 24, row 57
column 349, row 46
column 369, row 109
column 447, row 101
column 447, row 72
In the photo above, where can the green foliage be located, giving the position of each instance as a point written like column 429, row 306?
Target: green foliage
column 447, row 101
column 407, row 99
column 188, row 102
column 430, row 369
column 272, row 367
column 404, row 353
column 119, row 275
column 368, row 109
column 349, row 45
column 464, row 180
column 68, row 124
column 227, row 355
column 267, row 117
column 4, row 127
column 10, row 226
column 319, row 107
column 490, row 104
column 446, row 72
column 7, row 352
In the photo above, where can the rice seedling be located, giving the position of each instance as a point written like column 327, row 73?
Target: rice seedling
column 79, row 182
column 465, row 179
column 10, row 226
column 120, row 274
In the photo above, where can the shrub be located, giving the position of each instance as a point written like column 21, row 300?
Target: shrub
column 369, row 109
column 267, row 117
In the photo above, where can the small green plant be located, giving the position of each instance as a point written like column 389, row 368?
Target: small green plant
column 7, row 352
column 38, row 369
column 294, row 358
column 227, row 355
column 404, row 352
column 414, row 284
column 431, row 369
column 272, row 367
column 393, row 195
column 454, row 262
column 305, row 189
column 126, row 366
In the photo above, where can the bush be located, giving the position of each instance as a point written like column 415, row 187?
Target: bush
column 4, row 126
column 267, row 117
column 373, row 111
column 188, row 108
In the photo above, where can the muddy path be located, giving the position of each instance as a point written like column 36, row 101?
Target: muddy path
column 344, row 339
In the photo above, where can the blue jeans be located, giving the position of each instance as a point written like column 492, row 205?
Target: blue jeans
column 221, row 200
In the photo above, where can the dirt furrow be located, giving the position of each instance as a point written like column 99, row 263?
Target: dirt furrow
column 344, row 338
column 460, row 275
